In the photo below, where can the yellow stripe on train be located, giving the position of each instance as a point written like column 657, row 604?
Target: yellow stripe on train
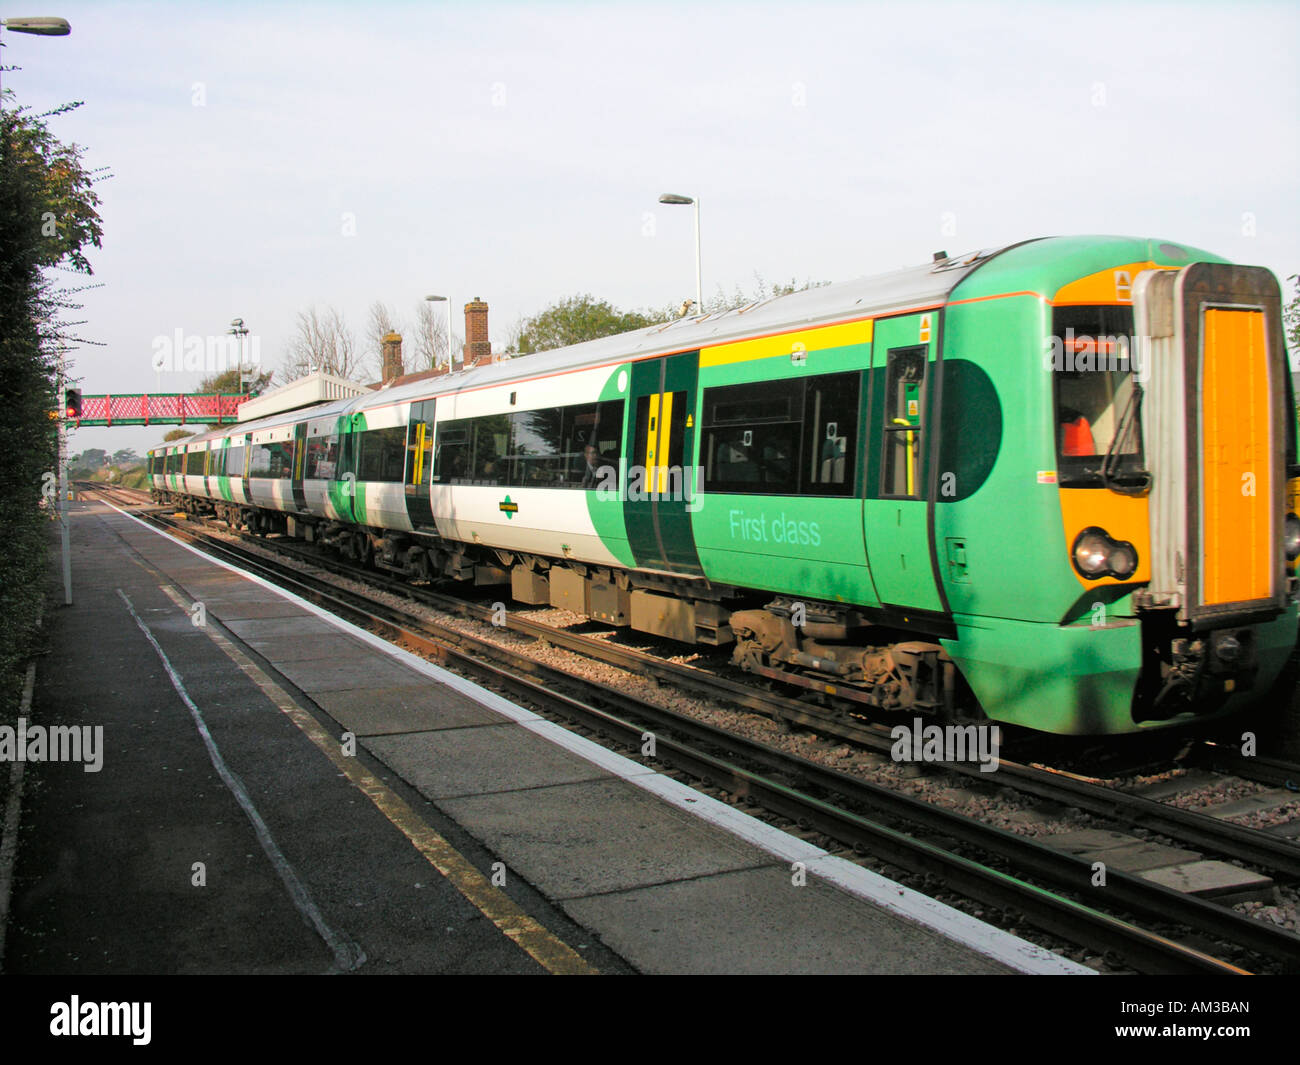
column 784, row 344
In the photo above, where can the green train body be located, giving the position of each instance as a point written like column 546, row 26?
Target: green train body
column 1053, row 484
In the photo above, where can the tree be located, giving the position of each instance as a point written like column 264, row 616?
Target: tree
column 579, row 318
column 382, row 321
column 48, row 218
column 323, row 342
column 573, row 320
column 126, row 457
column 176, row 434
column 739, row 297
column 227, row 382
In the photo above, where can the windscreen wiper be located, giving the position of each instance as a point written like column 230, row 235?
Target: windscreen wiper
column 1110, row 462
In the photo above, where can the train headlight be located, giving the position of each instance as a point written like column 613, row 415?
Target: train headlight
column 1123, row 561
column 1096, row 554
column 1091, row 551
column 1291, row 536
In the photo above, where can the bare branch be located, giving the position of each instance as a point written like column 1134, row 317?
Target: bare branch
column 323, row 342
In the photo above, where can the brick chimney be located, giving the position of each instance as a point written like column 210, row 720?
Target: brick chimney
column 391, row 346
column 478, row 349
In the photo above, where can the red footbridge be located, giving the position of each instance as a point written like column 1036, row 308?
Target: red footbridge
column 166, row 408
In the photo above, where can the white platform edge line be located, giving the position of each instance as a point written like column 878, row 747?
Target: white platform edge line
column 970, row 931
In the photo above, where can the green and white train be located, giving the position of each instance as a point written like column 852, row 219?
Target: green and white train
column 1051, row 484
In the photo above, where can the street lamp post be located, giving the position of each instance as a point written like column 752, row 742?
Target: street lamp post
column 237, row 329
column 451, row 362
column 670, row 197
column 65, row 533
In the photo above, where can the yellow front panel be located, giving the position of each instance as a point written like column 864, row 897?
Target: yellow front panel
column 1123, row 517
column 1236, row 456
column 1112, row 285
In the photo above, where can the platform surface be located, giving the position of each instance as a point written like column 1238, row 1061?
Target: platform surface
column 352, row 808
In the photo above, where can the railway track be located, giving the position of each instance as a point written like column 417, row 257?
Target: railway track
column 1053, row 890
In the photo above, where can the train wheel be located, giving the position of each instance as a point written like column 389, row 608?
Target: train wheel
column 363, row 550
column 421, row 570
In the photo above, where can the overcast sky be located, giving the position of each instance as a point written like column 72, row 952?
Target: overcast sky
column 268, row 157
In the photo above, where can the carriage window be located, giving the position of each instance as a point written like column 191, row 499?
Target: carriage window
column 900, row 468
column 235, row 456
column 830, row 434
column 282, row 459
column 322, row 458
column 752, row 438
column 544, row 448
column 451, row 461
column 783, row 437
column 759, row 460
column 490, row 443
column 380, row 454
column 536, row 447
column 272, row 460
column 598, row 425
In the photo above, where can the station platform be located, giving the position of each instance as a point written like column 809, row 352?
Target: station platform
column 281, row 792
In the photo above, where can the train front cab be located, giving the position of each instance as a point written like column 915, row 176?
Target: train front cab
column 1160, row 591
column 1175, row 467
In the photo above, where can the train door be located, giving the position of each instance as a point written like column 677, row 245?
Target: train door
column 419, row 465
column 246, row 457
column 895, row 514
column 210, row 471
column 660, row 480
column 299, row 462
column 343, row 489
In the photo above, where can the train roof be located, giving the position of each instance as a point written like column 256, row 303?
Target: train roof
column 865, row 297
column 319, row 410
column 918, row 286
column 915, row 287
